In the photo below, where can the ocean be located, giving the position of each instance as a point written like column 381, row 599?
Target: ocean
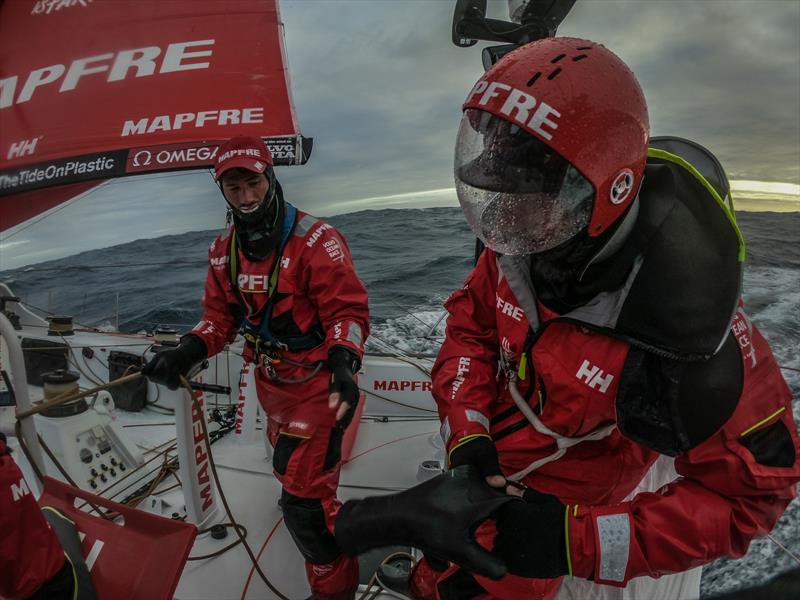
column 410, row 261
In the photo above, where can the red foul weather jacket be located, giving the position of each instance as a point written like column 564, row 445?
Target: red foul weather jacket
column 30, row 554
column 317, row 288
column 731, row 488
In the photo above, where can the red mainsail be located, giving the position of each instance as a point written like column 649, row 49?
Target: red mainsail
column 95, row 89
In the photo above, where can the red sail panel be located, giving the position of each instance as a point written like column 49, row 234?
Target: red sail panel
column 92, row 89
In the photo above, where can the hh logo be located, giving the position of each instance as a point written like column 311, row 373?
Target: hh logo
column 594, row 377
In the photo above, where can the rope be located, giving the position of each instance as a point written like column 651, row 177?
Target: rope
column 311, row 375
column 368, row 594
column 784, row 548
column 226, row 548
column 222, row 497
column 47, row 404
column 76, row 396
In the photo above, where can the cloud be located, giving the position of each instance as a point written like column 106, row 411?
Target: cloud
column 379, row 86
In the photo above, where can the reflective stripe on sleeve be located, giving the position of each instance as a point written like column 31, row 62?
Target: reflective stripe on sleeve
column 614, row 533
column 476, row 417
column 354, row 334
column 445, row 431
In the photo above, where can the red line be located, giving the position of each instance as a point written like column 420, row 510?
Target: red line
column 258, row 556
column 352, row 458
column 408, row 437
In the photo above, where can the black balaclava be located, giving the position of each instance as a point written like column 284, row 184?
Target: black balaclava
column 259, row 232
column 567, row 276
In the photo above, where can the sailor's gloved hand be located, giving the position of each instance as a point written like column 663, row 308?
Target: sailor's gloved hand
column 438, row 516
column 344, row 393
column 479, row 450
column 168, row 366
column 530, row 538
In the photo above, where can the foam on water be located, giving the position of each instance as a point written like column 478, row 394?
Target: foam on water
column 418, row 332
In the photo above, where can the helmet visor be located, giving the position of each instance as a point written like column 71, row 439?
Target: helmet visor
column 519, row 195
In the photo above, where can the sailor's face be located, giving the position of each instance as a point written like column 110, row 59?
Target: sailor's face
column 244, row 190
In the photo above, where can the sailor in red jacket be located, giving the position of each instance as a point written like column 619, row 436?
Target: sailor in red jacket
column 287, row 279
column 598, row 361
column 37, row 561
column 30, row 554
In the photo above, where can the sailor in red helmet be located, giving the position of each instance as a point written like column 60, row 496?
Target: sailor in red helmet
column 288, row 281
column 598, row 363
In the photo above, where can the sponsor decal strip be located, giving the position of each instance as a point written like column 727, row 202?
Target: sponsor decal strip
column 60, row 172
column 123, row 162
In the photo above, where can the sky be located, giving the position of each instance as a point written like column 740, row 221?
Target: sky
column 379, row 86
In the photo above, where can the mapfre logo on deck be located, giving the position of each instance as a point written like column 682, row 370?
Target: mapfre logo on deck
column 46, row 7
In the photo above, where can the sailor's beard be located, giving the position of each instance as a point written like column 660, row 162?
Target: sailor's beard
column 259, row 230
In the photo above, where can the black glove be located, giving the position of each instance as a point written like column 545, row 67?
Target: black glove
column 343, row 363
column 168, row 366
column 4, row 449
column 438, row 516
column 530, row 536
column 479, row 451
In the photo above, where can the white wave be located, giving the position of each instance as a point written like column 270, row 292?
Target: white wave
column 420, row 331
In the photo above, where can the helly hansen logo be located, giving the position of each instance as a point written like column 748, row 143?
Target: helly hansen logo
column 508, row 309
column 22, row 148
column 594, row 377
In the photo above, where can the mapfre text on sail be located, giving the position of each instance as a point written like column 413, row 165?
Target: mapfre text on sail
column 125, row 64
column 230, row 116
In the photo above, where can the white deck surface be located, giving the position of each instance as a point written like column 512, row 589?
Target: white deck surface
column 386, row 455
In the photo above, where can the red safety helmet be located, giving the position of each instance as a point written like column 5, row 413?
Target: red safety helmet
column 553, row 141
